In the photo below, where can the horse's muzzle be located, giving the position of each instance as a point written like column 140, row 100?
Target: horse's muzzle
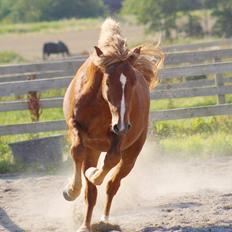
column 118, row 130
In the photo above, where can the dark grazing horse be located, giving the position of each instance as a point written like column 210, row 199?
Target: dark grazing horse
column 106, row 107
column 55, row 48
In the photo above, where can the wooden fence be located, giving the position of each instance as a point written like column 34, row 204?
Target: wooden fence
column 178, row 66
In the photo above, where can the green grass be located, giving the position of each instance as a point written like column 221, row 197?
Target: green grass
column 188, row 127
column 197, row 145
column 51, row 26
column 182, row 103
column 24, row 116
column 7, row 57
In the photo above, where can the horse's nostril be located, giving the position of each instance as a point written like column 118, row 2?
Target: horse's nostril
column 116, row 129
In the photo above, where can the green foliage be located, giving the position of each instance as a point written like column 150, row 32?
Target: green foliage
column 159, row 15
column 7, row 57
column 193, row 27
column 73, row 8
column 165, row 15
column 6, row 162
column 41, row 10
column 223, row 13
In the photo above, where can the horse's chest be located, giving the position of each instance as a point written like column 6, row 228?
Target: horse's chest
column 95, row 121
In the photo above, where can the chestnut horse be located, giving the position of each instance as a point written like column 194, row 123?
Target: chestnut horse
column 106, row 107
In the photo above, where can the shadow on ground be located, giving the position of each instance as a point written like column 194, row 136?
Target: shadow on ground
column 212, row 228
column 105, row 227
column 7, row 223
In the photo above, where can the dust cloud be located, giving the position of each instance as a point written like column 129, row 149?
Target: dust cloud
column 155, row 175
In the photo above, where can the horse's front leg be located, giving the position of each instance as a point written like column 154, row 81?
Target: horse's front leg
column 95, row 175
column 73, row 188
column 91, row 160
column 123, row 168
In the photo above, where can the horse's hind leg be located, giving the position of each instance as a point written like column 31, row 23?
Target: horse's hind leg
column 122, row 170
column 73, row 189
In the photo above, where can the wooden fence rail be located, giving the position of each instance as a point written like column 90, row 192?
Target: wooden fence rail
column 156, row 95
column 183, row 113
column 197, row 57
column 69, row 67
column 34, row 127
column 37, row 67
column 21, row 87
column 198, row 46
column 172, row 114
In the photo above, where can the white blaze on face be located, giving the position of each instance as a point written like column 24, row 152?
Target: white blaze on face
column 123, row 105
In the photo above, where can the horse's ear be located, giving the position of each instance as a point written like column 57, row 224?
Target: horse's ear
column 134, row 55
column 98, row 51
column 137, row 51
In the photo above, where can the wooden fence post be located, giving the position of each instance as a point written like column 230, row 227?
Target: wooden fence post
column 219, row 82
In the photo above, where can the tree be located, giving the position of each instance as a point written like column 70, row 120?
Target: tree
column 193, row 27
column 162, row 15
column 113, row 5
column 223, row 14
column 41, row 10
column 59, row 9
column 158, row 15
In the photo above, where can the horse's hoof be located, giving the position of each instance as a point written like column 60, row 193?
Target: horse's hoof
column 104, row 219
column 69, row 194
column 67, row 197
column 83, row 229
column 91, row 175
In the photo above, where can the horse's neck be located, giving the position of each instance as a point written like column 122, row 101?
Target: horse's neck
column 91, row 89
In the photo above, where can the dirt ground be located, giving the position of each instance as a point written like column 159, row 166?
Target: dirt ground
column 29, row 45
column 159, row 195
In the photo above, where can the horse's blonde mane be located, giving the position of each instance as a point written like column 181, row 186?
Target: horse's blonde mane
column 151, row 58
column 111, row 43
column 114, row 48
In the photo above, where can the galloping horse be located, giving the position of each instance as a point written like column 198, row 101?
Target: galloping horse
column 106, row 107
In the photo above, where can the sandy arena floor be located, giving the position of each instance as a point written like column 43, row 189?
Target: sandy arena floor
column 169, row 196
